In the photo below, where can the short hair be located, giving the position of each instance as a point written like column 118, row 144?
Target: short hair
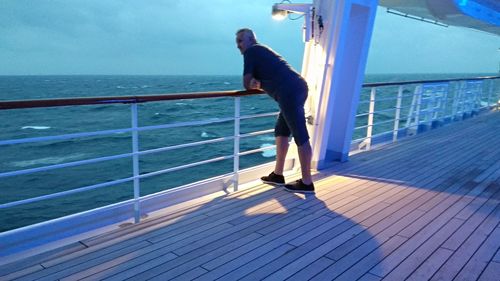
column 248, row 32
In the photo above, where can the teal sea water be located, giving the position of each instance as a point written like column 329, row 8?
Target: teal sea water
column 39, row 122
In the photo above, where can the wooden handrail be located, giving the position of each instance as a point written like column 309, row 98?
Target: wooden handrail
column 380, row 84
column 18, row 104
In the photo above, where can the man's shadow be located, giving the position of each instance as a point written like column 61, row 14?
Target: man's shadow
column 259, row 232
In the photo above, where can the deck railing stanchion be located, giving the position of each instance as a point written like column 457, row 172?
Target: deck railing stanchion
column 135, row 163
column 490, row 92
column 371, row 110
column 397, row 115
column 236, row 162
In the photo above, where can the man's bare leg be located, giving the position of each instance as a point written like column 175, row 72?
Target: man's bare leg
column 281, row 151
column 305, row 155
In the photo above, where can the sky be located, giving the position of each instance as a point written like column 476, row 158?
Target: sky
column 192, row 37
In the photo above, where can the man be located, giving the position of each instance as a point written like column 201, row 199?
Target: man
column 265, row 69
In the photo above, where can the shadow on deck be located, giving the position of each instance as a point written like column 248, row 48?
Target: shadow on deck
column 424, row 208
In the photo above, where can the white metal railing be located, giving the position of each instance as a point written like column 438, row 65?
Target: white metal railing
column 135, row 130
column 418, row 105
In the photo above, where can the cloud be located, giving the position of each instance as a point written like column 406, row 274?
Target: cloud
column 164, row 37
column 197, row 37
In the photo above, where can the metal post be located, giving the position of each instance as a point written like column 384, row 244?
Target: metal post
column 236, row 163
column 135, row 162
column 456, row 97
column 444, row 101
column 430, row 106
column 369, row 128
column 488, row 103
column 397, row 115
column 418, row 95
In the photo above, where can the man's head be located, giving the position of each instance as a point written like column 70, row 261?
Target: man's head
column 245, row 38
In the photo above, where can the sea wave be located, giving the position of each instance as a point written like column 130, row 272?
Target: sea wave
column 48, row 160
column 207, row 135
column 36, row 127
column 268, row 153
column 266, row 138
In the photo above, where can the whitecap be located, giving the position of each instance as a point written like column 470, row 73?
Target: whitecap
column 268, row 153
column 227, row 83
column 36, row 127
column 121, row 87
column 48, row 160
column 207, row 135
column 266, row 138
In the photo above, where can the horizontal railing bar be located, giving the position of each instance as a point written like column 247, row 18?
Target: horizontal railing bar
column 185, row 124
column 191, row 144
column 256, row 150
column 383, row 122
column 257, row 133
column 173, row 169
column 63, row 193
column 17, row 104
column 360, row 127
column 259, row 115
column 373, row 125
column 377, row 135
column 384, row 110
column 65, row 137
column 378, row 111
column 64, row 165
column 379, row 84
column 82, row 189
column 363, row 114
column 384, row 99
column 378, row 100
column 108, row 132
column 119, row 156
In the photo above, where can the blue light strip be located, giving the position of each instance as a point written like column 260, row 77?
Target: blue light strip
column 486, row 12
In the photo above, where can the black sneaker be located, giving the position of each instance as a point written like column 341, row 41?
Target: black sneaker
column 300, row 187
column 273, row 179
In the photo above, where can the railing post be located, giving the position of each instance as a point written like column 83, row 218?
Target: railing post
column 490, row 92
column 236, row 162
column 135, row 164
column 371, row 110
column 444, row 102
column 454, row 102
column 413, row 120
column 397, row 115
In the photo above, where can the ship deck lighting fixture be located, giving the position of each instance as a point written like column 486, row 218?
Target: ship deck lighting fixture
column 281, row 11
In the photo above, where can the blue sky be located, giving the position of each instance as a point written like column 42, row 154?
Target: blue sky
column 197, row 37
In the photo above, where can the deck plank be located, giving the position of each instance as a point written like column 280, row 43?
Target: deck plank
column 464, row 252
column 481, row 258
column 427, row 207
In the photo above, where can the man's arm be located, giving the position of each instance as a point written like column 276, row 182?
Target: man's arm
column 250, row 83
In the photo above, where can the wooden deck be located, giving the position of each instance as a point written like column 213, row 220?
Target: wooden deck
column 426, row 208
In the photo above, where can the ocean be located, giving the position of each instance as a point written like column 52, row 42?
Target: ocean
column 26, row 123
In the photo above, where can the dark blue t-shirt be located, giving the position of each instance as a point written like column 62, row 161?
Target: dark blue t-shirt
column 267, row 66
